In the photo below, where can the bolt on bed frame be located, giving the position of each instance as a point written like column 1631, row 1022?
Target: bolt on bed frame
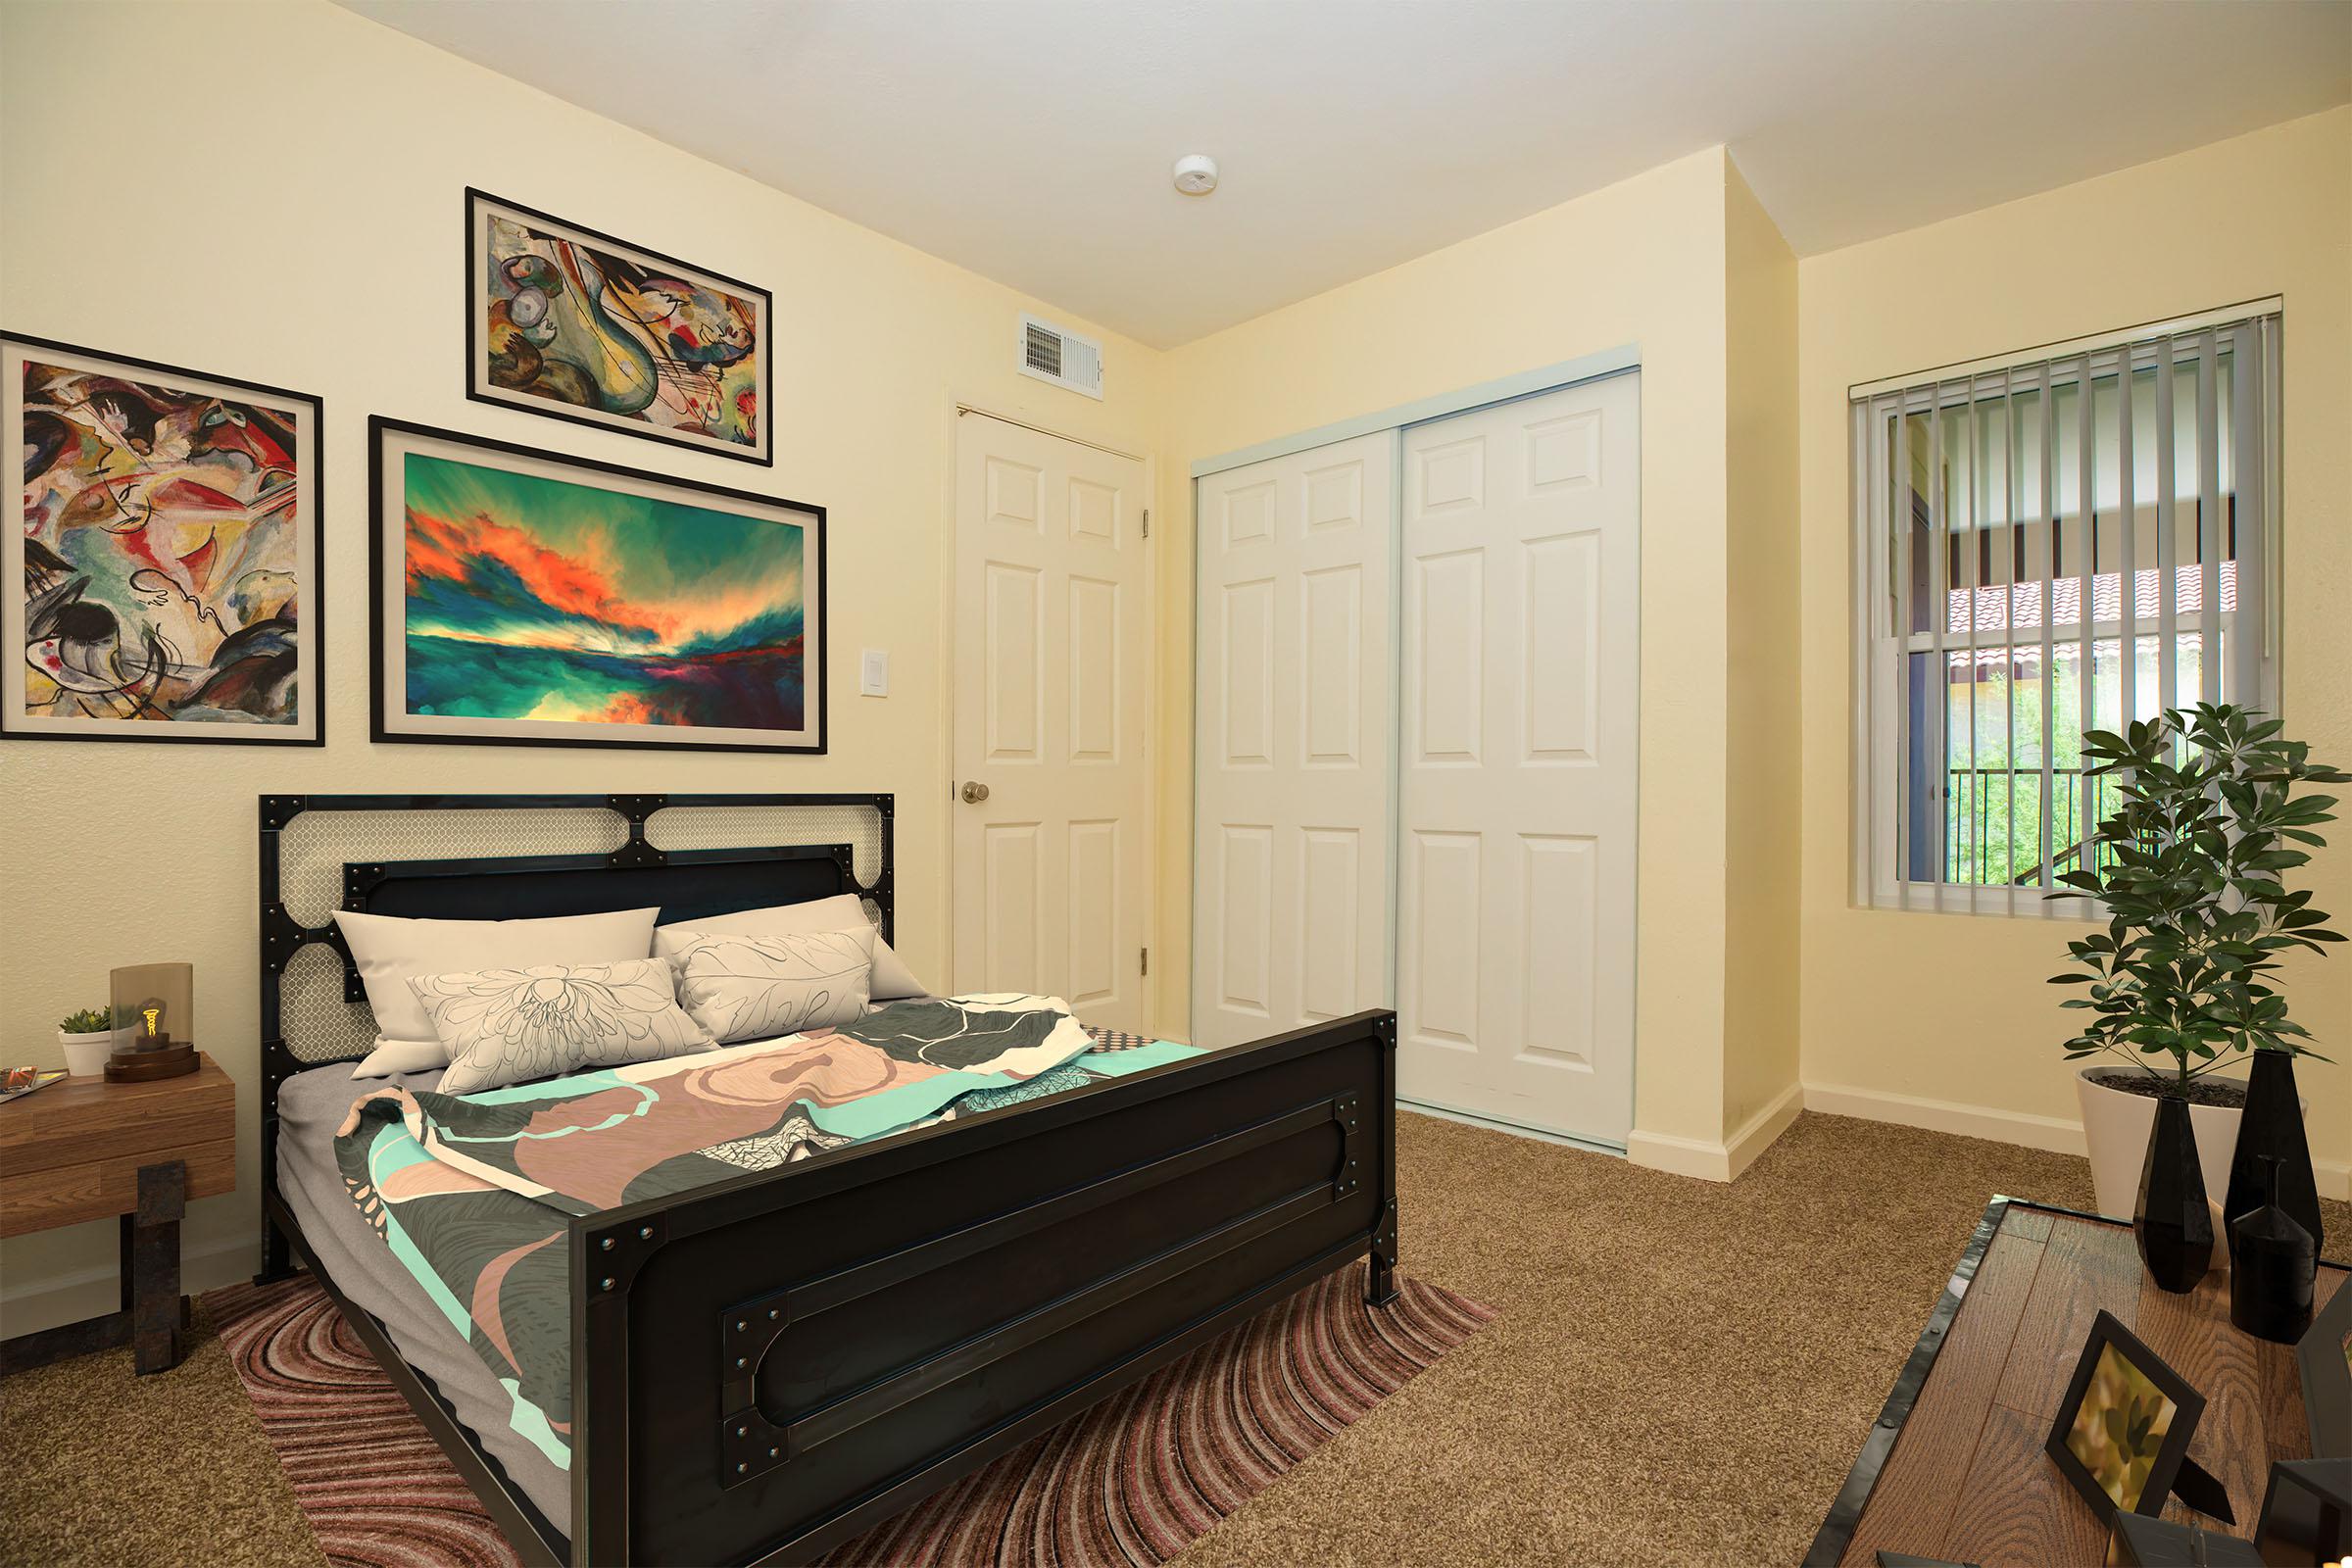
column 767, row 1367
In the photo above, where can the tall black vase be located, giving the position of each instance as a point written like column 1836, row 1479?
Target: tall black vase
column 2173, row 1222
column 2272, row 1128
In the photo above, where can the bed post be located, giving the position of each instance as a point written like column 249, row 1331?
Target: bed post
column 1380, row 1279
column 280, row 935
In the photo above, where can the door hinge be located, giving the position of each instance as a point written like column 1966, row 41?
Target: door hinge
column 1146, row 523
column 1143, row 965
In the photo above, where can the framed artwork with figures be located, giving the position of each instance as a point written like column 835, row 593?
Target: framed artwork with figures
column 573, row 323
column 162, row 553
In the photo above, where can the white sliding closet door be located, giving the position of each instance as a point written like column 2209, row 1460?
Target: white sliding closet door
column 1294, row 759
column 1515, row 940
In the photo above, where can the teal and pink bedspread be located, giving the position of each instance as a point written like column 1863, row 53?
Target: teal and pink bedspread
column 472, row 1193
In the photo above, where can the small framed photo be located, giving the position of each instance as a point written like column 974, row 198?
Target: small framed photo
column 2123, row 1429
column 162, row 551
column 2307, row 1512
column 2324, row 1354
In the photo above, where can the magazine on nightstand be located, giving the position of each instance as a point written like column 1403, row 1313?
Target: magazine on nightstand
column 18, row 1082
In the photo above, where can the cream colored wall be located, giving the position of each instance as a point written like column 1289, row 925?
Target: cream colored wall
column 274, row 192
column 1950, row 1010
column 1640, row 261
column 1760, row 754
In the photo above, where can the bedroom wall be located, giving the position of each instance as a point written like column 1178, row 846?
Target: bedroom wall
column 1761, row 730
column 272, row 191
column 1642, row 262
column 1944, row 1021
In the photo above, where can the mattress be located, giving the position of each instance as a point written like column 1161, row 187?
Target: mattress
column 311, row 1106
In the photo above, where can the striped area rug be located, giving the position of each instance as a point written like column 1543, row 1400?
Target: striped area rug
column 1130, row 1482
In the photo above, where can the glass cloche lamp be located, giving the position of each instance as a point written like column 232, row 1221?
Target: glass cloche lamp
column 155, row 1005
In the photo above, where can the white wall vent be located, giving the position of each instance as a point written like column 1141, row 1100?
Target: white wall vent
column 1065, row 358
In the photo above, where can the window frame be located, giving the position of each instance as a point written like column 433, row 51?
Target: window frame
column 1880, row 556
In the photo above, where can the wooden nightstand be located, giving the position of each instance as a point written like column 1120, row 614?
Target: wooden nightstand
column 86, row 1149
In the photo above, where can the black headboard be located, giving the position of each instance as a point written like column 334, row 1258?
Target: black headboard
column 688, row 854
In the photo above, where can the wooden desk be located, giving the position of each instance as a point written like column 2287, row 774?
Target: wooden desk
column 1954, row 1467
column 86, row 1150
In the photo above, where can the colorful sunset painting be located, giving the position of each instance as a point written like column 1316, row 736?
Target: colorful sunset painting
column 539, row 598
column 165, row 543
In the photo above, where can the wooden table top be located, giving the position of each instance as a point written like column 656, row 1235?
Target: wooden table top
column 1968, row 1481
column 71, row 1152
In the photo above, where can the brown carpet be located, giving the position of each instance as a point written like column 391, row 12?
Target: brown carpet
column 1681, row 1372
column 1126, row 1485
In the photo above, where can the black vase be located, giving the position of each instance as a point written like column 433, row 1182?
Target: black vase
column 2273, row 1265
column 2172, row 1221
column 2272, row 1128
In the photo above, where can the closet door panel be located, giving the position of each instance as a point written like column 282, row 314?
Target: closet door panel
column 1517, row 785
column 1294, row 754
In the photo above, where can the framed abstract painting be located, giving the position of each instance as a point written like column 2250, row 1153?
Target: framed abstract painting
column 524, row 598
column 565, row 321
column 162, row 553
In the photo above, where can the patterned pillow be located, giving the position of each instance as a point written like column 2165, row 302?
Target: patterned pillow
column 760, row 987
column 502, row 1026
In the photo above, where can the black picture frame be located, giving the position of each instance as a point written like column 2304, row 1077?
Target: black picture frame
column 478, row 305
column 816, row 664
column 2306, row 1512
column 2325, row 1358
column 309, row 470
column 2188, row 1406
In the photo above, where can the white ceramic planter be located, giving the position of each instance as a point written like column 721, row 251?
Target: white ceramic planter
column 85, row 1055
column 2116, row 1125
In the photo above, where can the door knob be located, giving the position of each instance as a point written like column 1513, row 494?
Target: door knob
column 973, row 794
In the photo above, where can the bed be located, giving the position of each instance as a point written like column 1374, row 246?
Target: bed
column 762, row 1368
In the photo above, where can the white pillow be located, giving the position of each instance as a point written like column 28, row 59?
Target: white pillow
column 844, row 911
column 502, row 1026
column 757, row 988
column 392, row 1057
column 390, row 950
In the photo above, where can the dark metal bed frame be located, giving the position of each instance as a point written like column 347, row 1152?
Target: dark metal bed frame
column 766, row 1367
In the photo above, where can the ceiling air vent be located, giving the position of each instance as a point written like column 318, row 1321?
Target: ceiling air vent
column 1065, row 358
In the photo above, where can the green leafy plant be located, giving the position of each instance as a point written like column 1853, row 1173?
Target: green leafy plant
column 2189, row 869
column 88, row 1021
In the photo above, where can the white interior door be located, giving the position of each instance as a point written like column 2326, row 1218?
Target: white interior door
column 1517, row 789
column 1294, row 759
column 1053, row 654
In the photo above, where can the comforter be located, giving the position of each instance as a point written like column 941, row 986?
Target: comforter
column 473, row 1194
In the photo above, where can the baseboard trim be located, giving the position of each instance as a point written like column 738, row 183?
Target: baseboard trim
column 1724, row 1161
column 2052, row 1133
column 58, row 1299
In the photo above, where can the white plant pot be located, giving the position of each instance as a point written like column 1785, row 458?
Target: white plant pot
column 85, row 1055
column 2116, row 1125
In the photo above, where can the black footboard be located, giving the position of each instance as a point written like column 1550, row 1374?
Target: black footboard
column 762, row 1370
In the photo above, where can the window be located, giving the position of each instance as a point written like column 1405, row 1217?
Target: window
column 1994, row 504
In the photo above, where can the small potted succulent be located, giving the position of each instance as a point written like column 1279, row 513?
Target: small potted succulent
column 2189, row 868
column 88, row 1039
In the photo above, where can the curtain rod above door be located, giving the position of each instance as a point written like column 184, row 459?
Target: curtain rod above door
column 962, row 409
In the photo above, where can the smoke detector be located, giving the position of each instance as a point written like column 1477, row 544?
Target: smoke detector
column 1195, row 173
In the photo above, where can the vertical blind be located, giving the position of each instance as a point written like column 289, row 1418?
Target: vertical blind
column 2043, row 545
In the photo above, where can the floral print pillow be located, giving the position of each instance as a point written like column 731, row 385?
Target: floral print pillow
column 502, row 1026
column 761, row 986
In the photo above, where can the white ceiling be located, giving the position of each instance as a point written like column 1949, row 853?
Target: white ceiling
column 1030, row 140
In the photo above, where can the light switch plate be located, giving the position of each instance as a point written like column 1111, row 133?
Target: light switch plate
column 873, row 672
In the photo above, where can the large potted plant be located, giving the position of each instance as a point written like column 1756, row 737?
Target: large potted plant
column 2189, row 868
